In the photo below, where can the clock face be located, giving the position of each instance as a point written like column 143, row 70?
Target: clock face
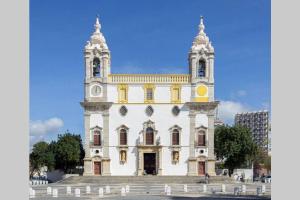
column 96, row 90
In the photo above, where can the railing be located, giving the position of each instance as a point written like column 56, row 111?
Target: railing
column 149, row 78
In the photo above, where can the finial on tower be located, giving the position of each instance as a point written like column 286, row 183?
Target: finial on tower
column 97, row 25
column 201, row 26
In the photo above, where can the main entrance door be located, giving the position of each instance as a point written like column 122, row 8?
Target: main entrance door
column 97, row 168
column 201, row 168
column 150, row 163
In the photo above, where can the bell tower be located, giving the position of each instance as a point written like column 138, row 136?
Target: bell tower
column 97, row 65
column 201, row 67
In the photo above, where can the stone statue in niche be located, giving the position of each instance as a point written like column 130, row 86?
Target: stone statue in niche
column 123, row 156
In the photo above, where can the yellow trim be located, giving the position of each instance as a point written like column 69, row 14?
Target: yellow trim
column 148, row 74
column 122, row 98
column 152, row 87
column 201, row 99
column 174, row 95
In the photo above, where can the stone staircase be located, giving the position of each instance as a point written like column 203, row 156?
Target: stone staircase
column 144, row 180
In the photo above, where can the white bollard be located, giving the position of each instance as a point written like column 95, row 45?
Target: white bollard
column 31, row 193
column 107, row 189
column 69, row 190
column 244, row 189
column 40, row 182
column 101, row 192
column 54, row 193
column 223, row 188
column 204, row 188
column 169, row 191
column 49, row 190
column 185, row 188
column 263, row 189
column 88, row 189
column 166, row 188
column 46, row 182
column 127, row 188
column 123, row 192
column 77, row 192
column 236, row 190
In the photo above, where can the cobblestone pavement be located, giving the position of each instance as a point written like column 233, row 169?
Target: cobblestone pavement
column 153, row 191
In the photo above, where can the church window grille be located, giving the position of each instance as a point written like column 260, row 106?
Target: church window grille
column 96, row 67
column 123, row 137
column 201, row 138
column 201, row 69
column 149, row 136
column 175, row 137
column 123, row 110
column 149, row 111
column 175, row 110
column 97, row 138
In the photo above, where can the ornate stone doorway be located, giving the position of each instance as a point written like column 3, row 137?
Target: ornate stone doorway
column 150, row 163
column 97, row 168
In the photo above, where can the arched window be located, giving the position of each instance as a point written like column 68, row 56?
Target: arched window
column 201, row 138
column 201, row 68
column 96, row 67
column 175, row 137
column 123, row 137
column 97, row 138
column 149, row 136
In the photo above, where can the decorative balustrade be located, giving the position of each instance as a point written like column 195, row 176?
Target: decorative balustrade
column 149, row 78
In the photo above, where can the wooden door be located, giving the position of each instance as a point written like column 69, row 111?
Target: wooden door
column 97, row 168
column 201, row 168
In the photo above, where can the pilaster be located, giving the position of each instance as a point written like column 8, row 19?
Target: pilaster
column 211, row 154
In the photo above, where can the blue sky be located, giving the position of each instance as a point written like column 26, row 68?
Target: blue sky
column 145, row 37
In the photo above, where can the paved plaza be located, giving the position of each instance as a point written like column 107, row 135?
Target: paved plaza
column 153, row 191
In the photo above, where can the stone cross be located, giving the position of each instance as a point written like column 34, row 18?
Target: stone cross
column 166, row 187
column 223, row 188
column 169, row 190
column 244, row 188
column 127, row 188
column 55, row 193
column 101, row 192
column 88, row 189
column 185, row 187
column 49, row 190
column 77, row 192
column 236, row 190
column 31, row 193
column 263, row 189
column 69, row 190
column 107, row 189
column 123, row 192
column 204, row 188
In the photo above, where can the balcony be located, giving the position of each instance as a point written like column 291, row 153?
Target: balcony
column 149, row 78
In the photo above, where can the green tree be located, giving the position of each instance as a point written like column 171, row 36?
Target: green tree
column 41, row 156
column 68, row 151
column 235, row 146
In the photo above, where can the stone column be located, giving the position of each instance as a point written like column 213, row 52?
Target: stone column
column 211, row 155
column 159, row 162
column 87, row 159
column 211, row 69
column 106, row 158
column 140, row 163
column 88, row 72
column 192, row 161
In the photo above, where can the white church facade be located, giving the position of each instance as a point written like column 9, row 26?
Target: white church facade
column 149, row 124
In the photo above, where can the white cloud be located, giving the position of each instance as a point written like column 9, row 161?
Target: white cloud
column 228, row 109
column 40, row 127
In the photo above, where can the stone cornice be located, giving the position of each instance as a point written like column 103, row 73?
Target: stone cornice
column 205, row 106
column 95, row 106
